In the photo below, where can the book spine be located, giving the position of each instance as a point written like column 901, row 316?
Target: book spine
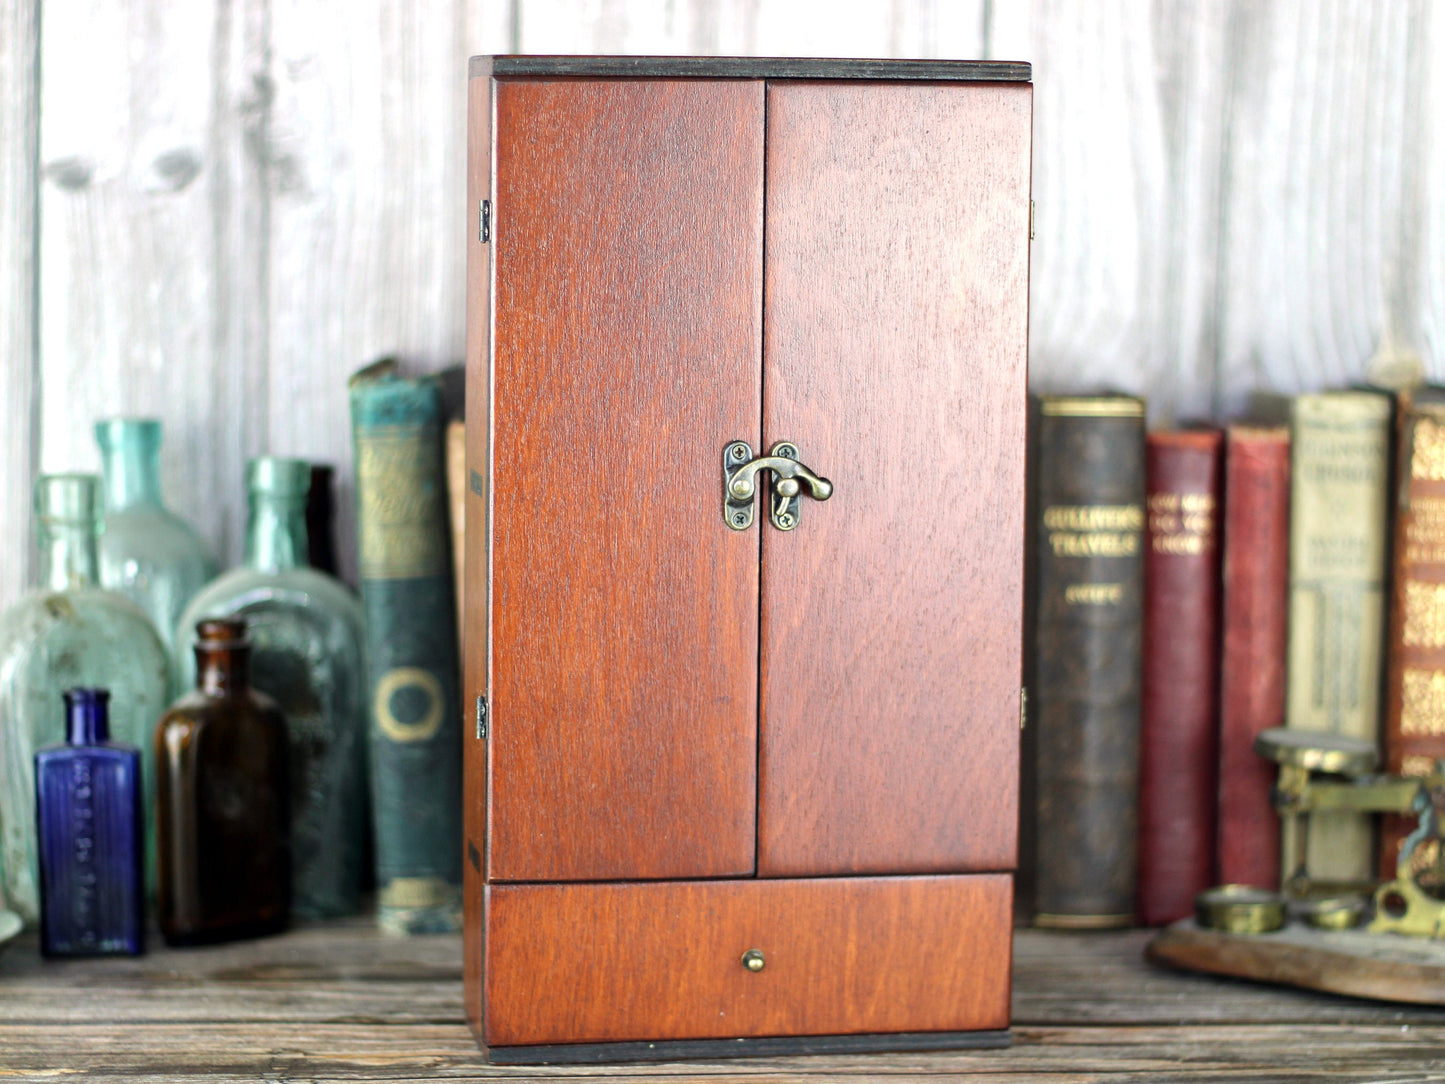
column 1338, row 497
column 1085, row 702
column 1415, row 684
column 1178, row 745
column 406, row 591
column 457, row 509
column 1251, row 679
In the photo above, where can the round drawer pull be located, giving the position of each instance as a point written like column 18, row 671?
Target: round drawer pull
column 753, row 960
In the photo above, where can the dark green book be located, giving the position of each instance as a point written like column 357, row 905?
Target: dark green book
column 411, row 639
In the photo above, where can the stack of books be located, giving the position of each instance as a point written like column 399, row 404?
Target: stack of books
column 1193, row 587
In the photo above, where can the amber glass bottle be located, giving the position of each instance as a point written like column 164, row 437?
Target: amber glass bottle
column 222, row 814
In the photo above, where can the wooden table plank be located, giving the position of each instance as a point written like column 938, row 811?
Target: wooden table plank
column 341, row 1002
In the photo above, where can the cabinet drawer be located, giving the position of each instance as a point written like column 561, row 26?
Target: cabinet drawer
column 572, row 963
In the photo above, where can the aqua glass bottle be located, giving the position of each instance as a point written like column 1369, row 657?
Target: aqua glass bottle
column 68, row 633
column 306, row 654
column 147, row 553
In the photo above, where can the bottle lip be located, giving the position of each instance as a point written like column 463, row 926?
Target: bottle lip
column 86, row 694
column 109, row 431
column 278, row 476
column 221, row 633
column 68, row 498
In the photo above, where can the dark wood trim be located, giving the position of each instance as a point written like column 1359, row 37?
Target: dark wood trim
column 710, row 67
column 783, row 1046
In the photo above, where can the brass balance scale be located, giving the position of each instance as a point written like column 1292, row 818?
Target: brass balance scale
column 1385, row 941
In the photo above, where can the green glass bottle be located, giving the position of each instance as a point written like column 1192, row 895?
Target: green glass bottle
column 147, row 553
column 68, row 633
column 306, row 636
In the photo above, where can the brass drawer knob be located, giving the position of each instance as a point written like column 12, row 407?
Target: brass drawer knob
column 753, row 960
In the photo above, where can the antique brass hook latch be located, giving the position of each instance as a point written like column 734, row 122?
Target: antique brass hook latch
column 791, row 480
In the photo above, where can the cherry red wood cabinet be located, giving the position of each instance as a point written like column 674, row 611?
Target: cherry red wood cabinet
column 744, row 760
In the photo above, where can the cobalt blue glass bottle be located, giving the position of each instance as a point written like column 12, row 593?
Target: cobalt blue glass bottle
column 89, row 827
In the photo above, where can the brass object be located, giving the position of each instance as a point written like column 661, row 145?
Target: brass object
column 790, row 480
column 1330, row 772
column 1401, row 905
column 1239, row 909
column 1318, row 752
column 753, row 960
column 1331, row 912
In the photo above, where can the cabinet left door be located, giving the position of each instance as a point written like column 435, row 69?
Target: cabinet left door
column 626, row 336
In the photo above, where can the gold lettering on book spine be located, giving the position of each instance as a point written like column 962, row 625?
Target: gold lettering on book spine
column 1105, row 530
column 401, row 520
column 1423, row 707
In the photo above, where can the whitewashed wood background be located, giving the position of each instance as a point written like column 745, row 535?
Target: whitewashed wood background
column 212, row 211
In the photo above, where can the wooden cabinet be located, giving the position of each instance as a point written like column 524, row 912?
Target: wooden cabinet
column 697, row 740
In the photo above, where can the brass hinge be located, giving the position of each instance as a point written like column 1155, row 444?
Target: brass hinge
column 481, row 718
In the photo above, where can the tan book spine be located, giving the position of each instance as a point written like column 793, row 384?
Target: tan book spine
column 1415, row 678
column 1338, row 509
column 457, row 506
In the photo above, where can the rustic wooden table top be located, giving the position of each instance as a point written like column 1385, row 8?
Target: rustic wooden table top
column 340, row 1002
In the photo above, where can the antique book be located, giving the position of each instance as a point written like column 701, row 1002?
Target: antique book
column 1338, row 495
column 1178, row 742
column 1251, row 669
column 457, row 505
column 1414, row 728
column 406, row 590
column 1085, row 700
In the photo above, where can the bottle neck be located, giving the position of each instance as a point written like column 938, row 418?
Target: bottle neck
column 68, row 555
column 223, row 671
column 132, row 470
column 276, row 532
column 87, row 719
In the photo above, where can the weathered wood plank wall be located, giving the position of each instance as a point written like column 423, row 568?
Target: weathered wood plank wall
column 213, row 210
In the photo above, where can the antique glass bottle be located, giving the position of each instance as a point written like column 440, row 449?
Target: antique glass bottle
column 321, row 520
column 306, row 636
column 222, row 801
column 90, row 834
column 67, row 633
column 147, row 553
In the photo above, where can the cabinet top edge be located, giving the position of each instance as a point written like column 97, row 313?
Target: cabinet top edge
column 711, row 67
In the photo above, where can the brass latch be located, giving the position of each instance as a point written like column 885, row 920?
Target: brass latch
column 790, row 479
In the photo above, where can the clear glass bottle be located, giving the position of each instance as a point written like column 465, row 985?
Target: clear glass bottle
column 306, row 635
column 147, row 553
column 67, row 633
column 222, row 801
column 90, row 822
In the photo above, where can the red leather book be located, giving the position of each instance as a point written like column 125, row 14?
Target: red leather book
column 1251, row 669
column 1178, row 746
column 1414, row 728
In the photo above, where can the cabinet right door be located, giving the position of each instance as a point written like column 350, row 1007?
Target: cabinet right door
column 895, row 359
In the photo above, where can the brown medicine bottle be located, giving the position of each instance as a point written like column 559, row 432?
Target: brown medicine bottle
column 222, row 816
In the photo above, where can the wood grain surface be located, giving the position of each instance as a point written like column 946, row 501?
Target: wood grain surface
column 627, row 332
column 343, row 1002
column 895, row 359
column 1387, row 966
column 475, row 617
column 664, row 961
